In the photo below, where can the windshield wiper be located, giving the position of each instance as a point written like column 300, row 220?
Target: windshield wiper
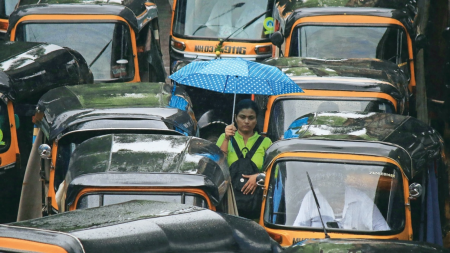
column 234, row 6
column 244, row 27
column 317, row 205
column 100, row 53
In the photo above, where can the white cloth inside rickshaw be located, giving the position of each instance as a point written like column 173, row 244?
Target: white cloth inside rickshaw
column 359, row 212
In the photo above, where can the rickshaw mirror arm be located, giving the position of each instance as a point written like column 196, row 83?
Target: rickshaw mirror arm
column 45, row 151
column 260, row 179
column 415, row 191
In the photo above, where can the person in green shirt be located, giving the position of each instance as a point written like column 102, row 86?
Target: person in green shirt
column 245, row 135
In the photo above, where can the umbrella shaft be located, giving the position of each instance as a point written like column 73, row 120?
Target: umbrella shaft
column 234, row 104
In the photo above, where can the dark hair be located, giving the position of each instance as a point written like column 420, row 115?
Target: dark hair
column 246, row 104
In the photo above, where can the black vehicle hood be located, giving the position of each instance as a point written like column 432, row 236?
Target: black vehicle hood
column 405, row 139
column 148, row 160
column 146, row 226
column 345, row 74
column 78, row 119
column 363, row 246
column 28, row 69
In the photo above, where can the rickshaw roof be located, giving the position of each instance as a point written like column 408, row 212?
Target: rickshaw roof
column 398, row 14
column 64, row 108
column 148, row 160
column 29, row 69
column 371, row 75
column 392, row 4
column 135, row 12
column 371, row 245
column 404, row 139
column 143, row 226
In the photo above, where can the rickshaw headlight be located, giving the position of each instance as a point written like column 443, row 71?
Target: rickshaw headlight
column 178, row 45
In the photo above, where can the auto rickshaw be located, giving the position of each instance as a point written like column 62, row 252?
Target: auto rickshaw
column 6, row 7
column 137, row 226
column 359, row 85
column 363, row 246
column 27, row 70
column 119, row 39
column 374, row 175
column 207, row 28
column 115, row 168
column 348, row 29
column 67, row 116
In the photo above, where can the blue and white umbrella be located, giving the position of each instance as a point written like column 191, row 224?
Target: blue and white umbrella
column 236, row 75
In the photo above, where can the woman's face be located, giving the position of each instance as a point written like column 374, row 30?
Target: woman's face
column 246, row 120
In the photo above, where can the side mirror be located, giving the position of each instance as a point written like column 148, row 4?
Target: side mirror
column 415, row 190
column 45, row 151
column 420, row 41
column 260, row 179
column 277, row 39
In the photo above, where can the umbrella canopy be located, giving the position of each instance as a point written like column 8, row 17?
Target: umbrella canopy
column 236, row 75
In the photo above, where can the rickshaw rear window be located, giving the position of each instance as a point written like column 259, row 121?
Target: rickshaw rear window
column 108, row 51
column 219, row 19
column 96, row 200
column 352, row 197
column 285, row 111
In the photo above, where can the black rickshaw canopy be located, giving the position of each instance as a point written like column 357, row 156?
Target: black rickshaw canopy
column 363, row 246
column 135, row 12
column 366, row 75
column 144, row 226
column 404, row 139
column 400, row 14
column 71, row 108
column 28, row 69
column 148, row 160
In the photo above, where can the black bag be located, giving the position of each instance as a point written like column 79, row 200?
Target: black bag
column 249, row 206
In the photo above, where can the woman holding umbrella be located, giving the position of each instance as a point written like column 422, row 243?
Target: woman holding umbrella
column 245, row 136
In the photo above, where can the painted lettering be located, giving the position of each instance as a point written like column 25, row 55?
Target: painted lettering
column 297, row 240
column 225, row 49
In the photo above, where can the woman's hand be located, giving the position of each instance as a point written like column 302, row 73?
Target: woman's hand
column 230, row 130
column 250, row 186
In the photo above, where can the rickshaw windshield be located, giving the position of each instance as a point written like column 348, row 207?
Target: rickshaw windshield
column 104, row 199
column 352, row 197
column 285, row 111
column 219, row 19
column 343, row 42
column 8, row 7
column 108, row 51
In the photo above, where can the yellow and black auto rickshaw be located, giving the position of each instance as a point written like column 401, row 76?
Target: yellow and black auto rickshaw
column 27, row 71
column 118, row 39
column 200, row 28
column 6, row 7
column 357, row 85
column 67, row 116
column 116, row 168
column 347, row 29
column 356, row 175
column 137, row 226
